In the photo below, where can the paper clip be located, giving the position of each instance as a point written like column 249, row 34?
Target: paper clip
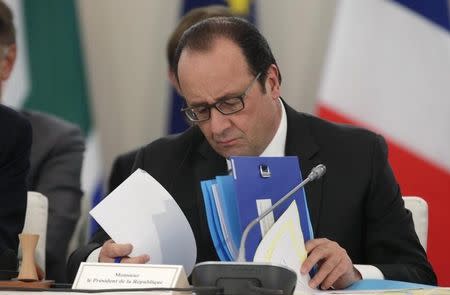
column 264, row 171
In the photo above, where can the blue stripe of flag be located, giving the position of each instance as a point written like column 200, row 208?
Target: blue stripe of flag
column 435, row 11
column 99, row 194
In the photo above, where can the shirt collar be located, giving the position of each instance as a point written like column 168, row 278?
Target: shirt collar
column 277, row 146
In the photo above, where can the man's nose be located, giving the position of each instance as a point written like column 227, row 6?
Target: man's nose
column 219, row 122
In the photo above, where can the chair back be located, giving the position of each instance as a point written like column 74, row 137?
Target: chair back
column 419, row 210
column 36, row 223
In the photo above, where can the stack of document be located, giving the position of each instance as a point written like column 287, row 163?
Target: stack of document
column 233, row 201
column 140, row 211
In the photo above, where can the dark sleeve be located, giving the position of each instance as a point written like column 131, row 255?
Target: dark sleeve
column 392, row 244
column 16, row 136
column 83, row 252
column 78, row 256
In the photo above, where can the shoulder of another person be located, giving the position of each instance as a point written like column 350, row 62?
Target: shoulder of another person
column 49, row 131
column 42, row 122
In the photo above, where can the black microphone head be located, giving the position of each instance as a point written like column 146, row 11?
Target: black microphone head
column 317, row 172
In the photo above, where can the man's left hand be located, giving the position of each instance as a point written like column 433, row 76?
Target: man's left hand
column 335, row 266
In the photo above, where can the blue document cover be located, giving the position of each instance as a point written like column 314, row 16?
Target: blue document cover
column 282, row 174
column 227, row 195
column 211, row 215
column 231, row 201
column 222, row 215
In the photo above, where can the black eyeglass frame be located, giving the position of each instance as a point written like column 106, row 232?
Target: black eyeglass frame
column 188, row 111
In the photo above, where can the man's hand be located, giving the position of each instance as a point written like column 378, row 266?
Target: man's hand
column 111, row 250
column 335, row 266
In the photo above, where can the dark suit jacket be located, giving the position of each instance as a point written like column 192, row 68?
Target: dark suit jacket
column 357, row 203
column 56, row 159
column 15, row 144
column 121, row 169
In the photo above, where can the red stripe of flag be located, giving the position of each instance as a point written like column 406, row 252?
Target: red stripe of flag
column 418, row 177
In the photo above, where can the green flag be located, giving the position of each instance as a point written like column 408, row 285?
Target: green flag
column 49, row 74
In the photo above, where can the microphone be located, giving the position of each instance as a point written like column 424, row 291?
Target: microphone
column 243, row 277
column 316, row 173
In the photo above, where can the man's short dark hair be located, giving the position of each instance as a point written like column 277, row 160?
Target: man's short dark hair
column 7, row 31
column 256, row 50
column 191, row 18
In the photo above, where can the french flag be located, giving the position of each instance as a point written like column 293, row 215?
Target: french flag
column 388, row 69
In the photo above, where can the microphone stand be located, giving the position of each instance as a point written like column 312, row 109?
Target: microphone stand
column 315, row 173
column 243, row 277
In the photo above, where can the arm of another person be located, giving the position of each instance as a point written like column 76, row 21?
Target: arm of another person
column 14, row 165
column 58, row 178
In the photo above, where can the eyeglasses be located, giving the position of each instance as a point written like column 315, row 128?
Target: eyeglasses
column 225, row 106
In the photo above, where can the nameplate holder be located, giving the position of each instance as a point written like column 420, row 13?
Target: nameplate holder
column 100, row 276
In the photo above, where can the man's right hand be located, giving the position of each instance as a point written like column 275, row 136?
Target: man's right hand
column 111, row 250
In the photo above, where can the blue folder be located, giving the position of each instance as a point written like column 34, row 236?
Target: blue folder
column 211, row 215
column 227, row 195
column 236, row 197
column 250, row 186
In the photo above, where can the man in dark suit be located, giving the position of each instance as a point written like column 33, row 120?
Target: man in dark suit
column 56, row 159
column 15, row 138
column 231, row 84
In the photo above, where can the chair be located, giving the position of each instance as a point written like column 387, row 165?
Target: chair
column 419, row 210
column 36, row 223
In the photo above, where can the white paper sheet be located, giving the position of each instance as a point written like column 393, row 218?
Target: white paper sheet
column 284, row 244
column 141, row 212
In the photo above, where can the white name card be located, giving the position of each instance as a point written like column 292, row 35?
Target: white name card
column 125, row 276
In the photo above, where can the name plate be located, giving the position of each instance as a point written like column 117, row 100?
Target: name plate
column 126, row 276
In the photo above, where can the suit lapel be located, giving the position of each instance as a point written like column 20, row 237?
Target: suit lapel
column 300, row 143
column 210, row 163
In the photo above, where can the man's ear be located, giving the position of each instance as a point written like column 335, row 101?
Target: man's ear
column 173, row 81
column 7, row 62
column 273, row 82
